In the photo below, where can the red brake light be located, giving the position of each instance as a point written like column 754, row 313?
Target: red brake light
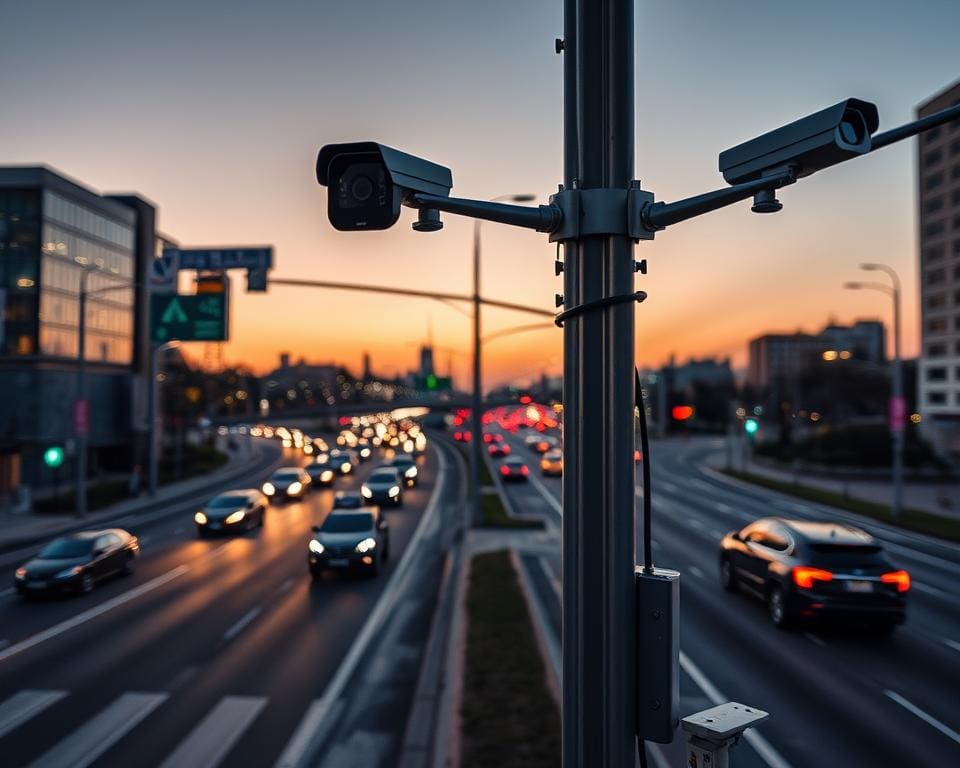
column 900, row 578
column 804, row 576
column 524, row 470
column 505, row 449
column 504, row 470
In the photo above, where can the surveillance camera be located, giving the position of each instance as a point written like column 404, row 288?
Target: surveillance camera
column 803, row 147
column 369, row 182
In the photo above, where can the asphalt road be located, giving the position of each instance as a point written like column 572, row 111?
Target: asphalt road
column 837, row 697
column 215, row 651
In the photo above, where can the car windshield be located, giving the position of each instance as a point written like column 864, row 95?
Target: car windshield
column 404, row 460
column 382, row 477
column 221, row 502
column 67, row 548
column 286, row 474
column 354, row 522
column 348, row 502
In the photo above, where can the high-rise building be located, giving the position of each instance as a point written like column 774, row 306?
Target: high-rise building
column 56, row 234
column 938, row 176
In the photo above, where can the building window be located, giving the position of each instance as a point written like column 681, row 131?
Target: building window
column 932, row 157
column 956, row 222
column 932, row 135
column 956, row 245
column 938, row 349
column 934, row 253
column 955, row 197
column 956, row 323
column 934, row 180
column 955, row 173
column 937, row 325
column 934, row 204
column 936, row 300
column 936, row 398
column 956, row 272
column 933, row 229
column 936, row 374
column 935, row 276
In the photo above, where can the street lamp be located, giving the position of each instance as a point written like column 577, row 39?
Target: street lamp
column 898, row 408
column 152, row 400
column 477, row 397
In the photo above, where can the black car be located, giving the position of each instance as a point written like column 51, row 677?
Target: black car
column 384, row 486
column 321, row 475
column 514, row 468
column 350, row 539
column 286, row 483
column 75, row 563
column 350, row 500
column 806, row 570
column 407, row 464
column 232, row 511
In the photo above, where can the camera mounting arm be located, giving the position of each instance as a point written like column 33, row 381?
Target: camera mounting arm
column 543, row 218
column 894, row 135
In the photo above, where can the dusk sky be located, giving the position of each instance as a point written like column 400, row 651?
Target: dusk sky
column 215, row 111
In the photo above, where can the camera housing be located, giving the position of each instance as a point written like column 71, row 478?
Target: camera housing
column 805, row 146
column 368, row 182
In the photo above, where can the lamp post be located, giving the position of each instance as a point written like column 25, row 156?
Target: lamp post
column 476, row 402
column 897, row 405
column 152, row 400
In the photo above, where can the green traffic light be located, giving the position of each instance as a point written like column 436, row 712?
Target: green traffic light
column 53, row 456
column 750, row 426
column 431, row 382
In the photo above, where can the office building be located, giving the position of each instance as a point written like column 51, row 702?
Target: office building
column 938, row 176
column 55, row 237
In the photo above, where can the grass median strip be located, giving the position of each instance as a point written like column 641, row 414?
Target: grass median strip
column 508, row 717
column 492, row 509
column 912, row 519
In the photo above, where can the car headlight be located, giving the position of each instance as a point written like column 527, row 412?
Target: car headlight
column 21, row 573
column 68, row 573
column 394, row 492
column 411, row 472
column 366, row 545
column 236, row 517
column 269, row 489
column 346, row 467
column 326, row 476
column 316, row 547
column 295, row 487
column 200, row 518
column 366, row 492
column 365, row 452
column 323, row 459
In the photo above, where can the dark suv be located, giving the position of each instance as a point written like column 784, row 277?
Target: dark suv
column 804, row 570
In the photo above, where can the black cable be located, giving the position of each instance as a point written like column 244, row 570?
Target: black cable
column 645, row 455
column 642, row 752
column 606, row 301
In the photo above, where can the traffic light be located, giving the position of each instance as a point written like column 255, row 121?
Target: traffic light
column 53, row 456
column 681, row 412
column 750, row 426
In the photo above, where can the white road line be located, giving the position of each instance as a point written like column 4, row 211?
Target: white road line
column 815, row 639
column 92, row 613
column 550, row 498
column 214, row 736
column 87, row 743
column 24, row 705
column 299, row 744
column 668, row 486
column 930, row 590
column 928, row 719
column 7, row 591
column 696, row 572
column 951, row 644
column 760, row 745
column 695, row 523
column 237, row 628
column 551, row 579
column 715, row 533
column 721, row 507
column 285, row 586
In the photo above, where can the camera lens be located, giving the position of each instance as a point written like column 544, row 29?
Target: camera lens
column 852, row 127
column 361, row 188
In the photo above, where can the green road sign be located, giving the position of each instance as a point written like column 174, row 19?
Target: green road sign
column 188, row 318
column 53, row 456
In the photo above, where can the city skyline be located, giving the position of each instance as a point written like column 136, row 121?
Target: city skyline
column 179, row 118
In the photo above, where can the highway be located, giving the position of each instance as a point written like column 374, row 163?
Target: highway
column 837, row 697
column 214, row 651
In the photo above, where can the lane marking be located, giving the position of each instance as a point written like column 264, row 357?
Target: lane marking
column 550, row 498
column 285, row 586
column 930, row 590
column 237, row 628
column 815, row 639
column 951, row 644
column 7, row 591
column 715, row 533
column 87, row 743
column 299, row 744
column 551, row 579
column 927, row 718
column 721, row 507
column 24, row 705
column 214, row 736
column 92, row 613
column 760, row 745
column 670, row 487
column 695, row 523
column 696, row 571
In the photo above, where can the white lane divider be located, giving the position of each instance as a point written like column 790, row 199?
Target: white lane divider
column 92, row 613
column 237, row 628
column 760, row 745
column 929, row 719
column 951, row 644
column 214, row 736
column 299, row 743
column 24, row 705
column 87, row 743
column 696, row 571
column 721, row 507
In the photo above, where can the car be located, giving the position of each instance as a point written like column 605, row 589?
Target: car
column 74, row 563
column 462, row 436
column 407, row 465
column 546, row 443
column 492, row 437
column 363, row 449
column 384, row 485
column 231, row 511
column 514, row 468
column 498, row 450
column 321, row 474
column 531, row 440
column 286, row 483
column 356, row 539
column 350, row 500
column 551, row 465
column 343, row 460
column 805, row 570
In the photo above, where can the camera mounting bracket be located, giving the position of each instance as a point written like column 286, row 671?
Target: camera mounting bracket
column 601, row 211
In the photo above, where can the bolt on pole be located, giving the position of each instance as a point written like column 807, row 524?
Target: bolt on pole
column 599, row 632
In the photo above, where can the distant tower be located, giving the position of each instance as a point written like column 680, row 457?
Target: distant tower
column 426, row 361
column 284, row 359
column 367, row 373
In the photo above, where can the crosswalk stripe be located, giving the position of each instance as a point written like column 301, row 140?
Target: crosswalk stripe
column 302, row 738
column 210, row 741
column 87, row 743
column 24, row 705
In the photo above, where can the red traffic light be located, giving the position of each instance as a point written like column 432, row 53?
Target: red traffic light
column 682, row 412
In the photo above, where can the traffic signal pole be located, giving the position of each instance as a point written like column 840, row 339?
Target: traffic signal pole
column 599, row 632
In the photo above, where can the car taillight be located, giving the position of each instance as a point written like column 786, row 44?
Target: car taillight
column 804, row 576
column 900, row 578
column 504, row 470
column 524, row 470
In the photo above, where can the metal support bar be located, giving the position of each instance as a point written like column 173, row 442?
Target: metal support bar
column 894, row 135
column 543, row 218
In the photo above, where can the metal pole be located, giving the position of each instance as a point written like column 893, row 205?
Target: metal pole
column 898, row 429
column 152, row 424
column 599, row 632
column 476, row 401
column 80, row 463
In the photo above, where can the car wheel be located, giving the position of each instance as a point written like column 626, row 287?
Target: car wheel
column 777, row 607
column 86, row 583
column 728, row 579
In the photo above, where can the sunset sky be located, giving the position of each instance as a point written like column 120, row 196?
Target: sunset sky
column 215, row 111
